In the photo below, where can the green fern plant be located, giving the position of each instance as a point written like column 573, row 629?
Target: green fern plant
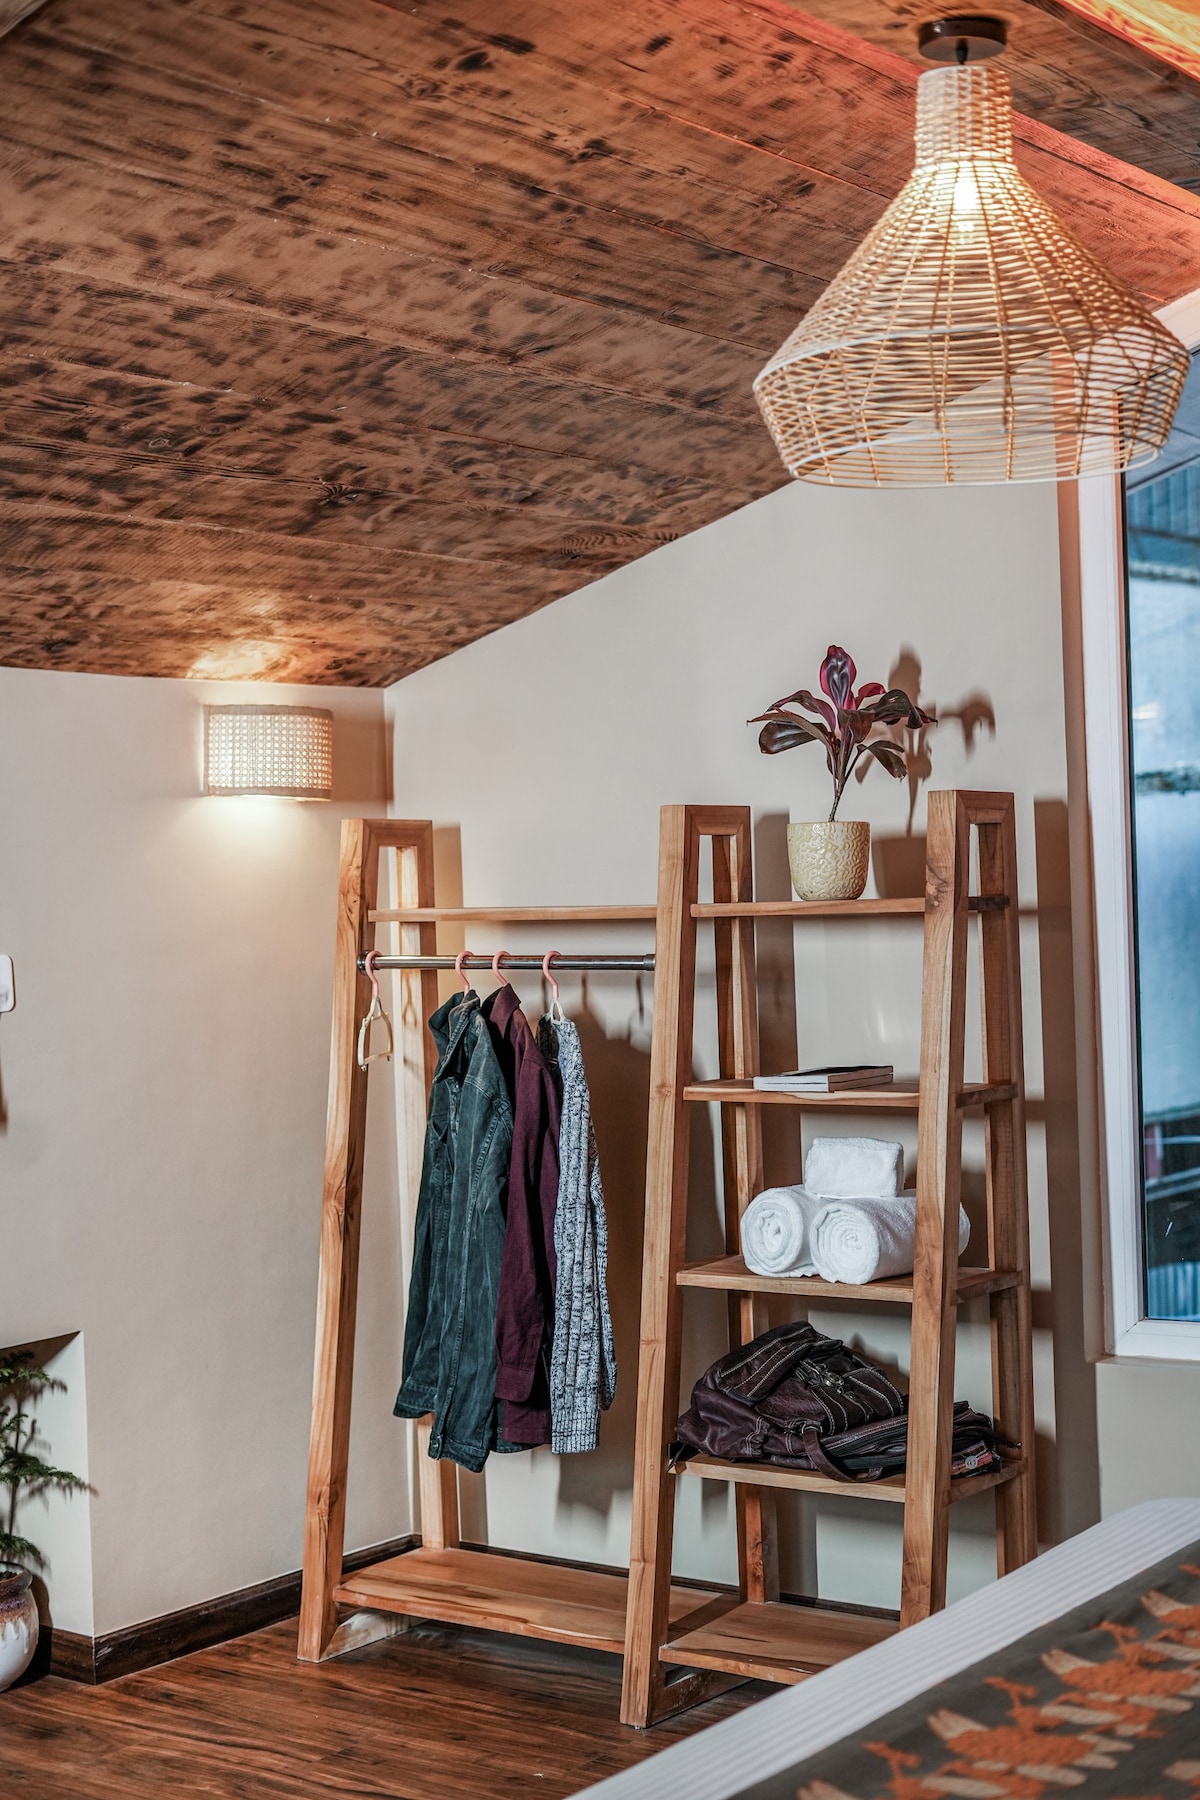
column 22, row 1470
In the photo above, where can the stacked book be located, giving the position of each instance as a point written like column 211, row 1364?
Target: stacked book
column 831, row 1080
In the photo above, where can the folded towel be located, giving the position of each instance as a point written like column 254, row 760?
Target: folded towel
column 851, row 1168
column 866, row 1240
column 776, row 1228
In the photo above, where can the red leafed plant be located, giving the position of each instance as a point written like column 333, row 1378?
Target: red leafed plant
column 843, row 723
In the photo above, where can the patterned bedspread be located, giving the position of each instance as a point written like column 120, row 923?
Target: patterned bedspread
column 1102, row 1705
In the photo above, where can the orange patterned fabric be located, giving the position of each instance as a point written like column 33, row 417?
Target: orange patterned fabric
column 1167, row 28
column 1104, row 1703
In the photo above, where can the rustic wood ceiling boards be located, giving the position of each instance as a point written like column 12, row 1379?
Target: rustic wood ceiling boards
column 1169, row 31
column 336, row 335
column 1066, row 71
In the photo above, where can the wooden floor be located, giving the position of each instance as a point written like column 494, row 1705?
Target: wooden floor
column 439, row 1712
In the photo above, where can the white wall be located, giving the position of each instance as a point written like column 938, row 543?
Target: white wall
column 543, row 754
column 163, row 1082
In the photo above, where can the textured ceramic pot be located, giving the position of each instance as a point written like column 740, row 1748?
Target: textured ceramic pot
column 18, row 1624
column 829, row 860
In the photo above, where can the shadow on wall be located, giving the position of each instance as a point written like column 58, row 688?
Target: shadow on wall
column 1068, row 1469
column 898, row 863
column 618, row 1071
column 1068, row 1463
column 361, row 760
column 778, row 1037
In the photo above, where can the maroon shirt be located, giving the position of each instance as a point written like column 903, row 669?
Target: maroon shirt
column 525, row 1304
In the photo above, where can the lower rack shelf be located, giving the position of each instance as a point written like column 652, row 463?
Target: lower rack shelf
column 506, row 1593
column 890, row 1487
column 773, row 1640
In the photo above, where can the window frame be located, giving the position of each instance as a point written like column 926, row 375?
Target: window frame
column 1103, row 597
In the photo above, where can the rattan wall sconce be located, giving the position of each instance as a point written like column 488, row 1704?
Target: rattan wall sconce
column 971, row 337
column 286, row 751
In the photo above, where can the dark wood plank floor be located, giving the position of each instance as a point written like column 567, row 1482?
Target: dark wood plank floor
column 438, row 1714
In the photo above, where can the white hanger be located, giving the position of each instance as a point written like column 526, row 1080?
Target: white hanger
column 375, row 1015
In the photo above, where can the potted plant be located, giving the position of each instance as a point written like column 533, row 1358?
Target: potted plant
column 22, row 1471
column 829, row 859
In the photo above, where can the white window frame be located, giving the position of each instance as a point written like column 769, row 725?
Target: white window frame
column 1128, row 1333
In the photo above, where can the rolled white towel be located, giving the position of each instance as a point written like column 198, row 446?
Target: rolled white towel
column 776, row 1231
column 867, row 1240
column 849, row 1168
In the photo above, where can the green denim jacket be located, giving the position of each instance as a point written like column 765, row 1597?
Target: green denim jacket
column 449, row 1365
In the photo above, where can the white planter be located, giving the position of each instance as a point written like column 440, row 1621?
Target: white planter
column 18, row 1624
column 829, row 860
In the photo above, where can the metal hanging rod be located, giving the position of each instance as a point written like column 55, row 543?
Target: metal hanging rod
column 592, row 964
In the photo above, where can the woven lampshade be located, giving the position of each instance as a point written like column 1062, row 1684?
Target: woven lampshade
column 970, row 337
column 282, row 750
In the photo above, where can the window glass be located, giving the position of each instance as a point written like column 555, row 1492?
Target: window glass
column 1163, row 543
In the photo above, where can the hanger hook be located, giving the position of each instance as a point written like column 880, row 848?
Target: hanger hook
column 458, row 970
column 496, row 969
column 369, row 961
column 556, row 1011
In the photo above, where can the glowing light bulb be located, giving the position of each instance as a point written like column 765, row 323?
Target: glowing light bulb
column 966, row 201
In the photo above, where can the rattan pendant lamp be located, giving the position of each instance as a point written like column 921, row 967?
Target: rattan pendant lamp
column 971, row 337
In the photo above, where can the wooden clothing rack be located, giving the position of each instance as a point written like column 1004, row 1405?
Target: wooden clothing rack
column 442, row 1579
column 751, row 1632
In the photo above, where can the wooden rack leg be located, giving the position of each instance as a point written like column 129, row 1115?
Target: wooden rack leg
column 1007, row 1189
column 741, row 1155
column 337, row 1293
column 437, row 1482
column 939, row 1172
column 646, row 1695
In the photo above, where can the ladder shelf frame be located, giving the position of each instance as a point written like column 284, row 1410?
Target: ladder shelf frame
column 759, row 1635
column 442, row 1579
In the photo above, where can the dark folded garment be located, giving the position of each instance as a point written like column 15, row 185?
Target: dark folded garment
column 800, row 1400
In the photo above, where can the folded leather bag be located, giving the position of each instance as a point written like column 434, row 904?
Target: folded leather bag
column 805, row 1401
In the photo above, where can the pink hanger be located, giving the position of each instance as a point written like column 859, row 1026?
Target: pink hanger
column 556, row 1011
column 375, row 1015
column 496, row 970
column 458, row 970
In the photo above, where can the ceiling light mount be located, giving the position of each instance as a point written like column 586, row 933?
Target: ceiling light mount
column 965, row 38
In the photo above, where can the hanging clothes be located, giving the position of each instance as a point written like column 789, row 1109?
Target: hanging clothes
column 449, row 1364
column 583, row 1363
column 525, row 1305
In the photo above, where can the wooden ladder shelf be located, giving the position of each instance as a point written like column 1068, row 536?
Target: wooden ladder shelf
column 442, row 1579
column 753, row 1633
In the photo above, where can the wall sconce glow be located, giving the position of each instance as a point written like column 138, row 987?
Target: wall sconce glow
column 281, row 750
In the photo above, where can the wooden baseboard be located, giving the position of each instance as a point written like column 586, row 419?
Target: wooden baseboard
column 125, row 1652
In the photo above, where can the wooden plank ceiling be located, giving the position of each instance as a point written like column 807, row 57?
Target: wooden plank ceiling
column 1068, row 71
column 1166, row 29
column 336, row 333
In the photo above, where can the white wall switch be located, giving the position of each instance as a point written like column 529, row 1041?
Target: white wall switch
column 8, row 992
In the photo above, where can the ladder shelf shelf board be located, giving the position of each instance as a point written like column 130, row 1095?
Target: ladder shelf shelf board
column 761, row 1636
column 440, row 1580
column 899, row 907
column 900, row 1096
column 807, row 1481
column 774, row 1640
column 731, row 1274
column 519, row 1595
